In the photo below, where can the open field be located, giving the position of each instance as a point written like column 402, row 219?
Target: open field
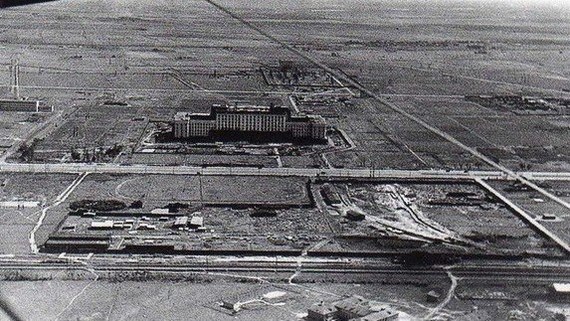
column 386, row 140
column 14, row 126
column 92, row 127
column 206, row 160
column 552, row 215
column 16, row 222
column 161, row 189
column 189, row 300
column 197, row 297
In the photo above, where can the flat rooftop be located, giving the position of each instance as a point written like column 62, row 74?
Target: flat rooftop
column 219, row 109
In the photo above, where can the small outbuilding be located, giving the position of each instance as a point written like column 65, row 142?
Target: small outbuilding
column 561, row 291
column 196, row 222
column 181, row 221
column 108, row 224
column 321, row 312
column 160, row 211
column 548, row 217
column 433, row 296
column 384, row 315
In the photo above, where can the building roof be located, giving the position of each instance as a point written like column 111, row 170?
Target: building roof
column 181, row 220
column 308, row 118
column 434, row 294
column 105, row 224
column 379, row 316
column 322, row 309
column 160, row 211
column 245, row 107
column 561, row 287
column 354, row 304
column 19, row 101
column 19, row 203
column 227, row 109
column 146, row 226
column 197, row 220
column 184, row 115
column 249, row 109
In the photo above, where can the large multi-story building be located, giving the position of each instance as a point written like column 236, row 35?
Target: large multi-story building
column 249, row 119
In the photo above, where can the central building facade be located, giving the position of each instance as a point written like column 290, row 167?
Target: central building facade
column 249, row 119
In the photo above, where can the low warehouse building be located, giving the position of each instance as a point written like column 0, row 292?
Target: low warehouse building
column 17, row 105
column 320, row 312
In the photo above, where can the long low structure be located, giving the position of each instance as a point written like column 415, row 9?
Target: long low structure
column 282, row 171
column 249, row 119
column 32, row 106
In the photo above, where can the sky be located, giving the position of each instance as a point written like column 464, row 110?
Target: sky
column 316, row 3
column 557, row 3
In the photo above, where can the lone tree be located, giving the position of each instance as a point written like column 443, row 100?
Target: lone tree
column 27, row 151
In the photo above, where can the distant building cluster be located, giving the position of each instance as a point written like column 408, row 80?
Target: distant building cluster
column 354, row 308
column 523, row 105
column 249, row 119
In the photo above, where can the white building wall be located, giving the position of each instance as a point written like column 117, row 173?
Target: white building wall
column 262, row 122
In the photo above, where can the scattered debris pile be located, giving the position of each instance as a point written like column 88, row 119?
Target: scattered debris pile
column 353, row 308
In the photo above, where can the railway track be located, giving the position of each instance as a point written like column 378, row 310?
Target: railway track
column 530, row 274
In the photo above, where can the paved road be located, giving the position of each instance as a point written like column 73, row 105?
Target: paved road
column 421, row 95
column 305, row 172
column 525, row 217
column 254, row 171
column 82, row 88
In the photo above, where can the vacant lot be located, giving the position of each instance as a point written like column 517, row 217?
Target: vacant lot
column 162, row 189
column 179, row 300
column 92, row 127
column 203, row 160
column 536, row 205
column 254, row 189
column 15, row 126
column 16, row 223
column 170, row 300
column 453, row 211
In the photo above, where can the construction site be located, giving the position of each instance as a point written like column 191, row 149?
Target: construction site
column 209, row 215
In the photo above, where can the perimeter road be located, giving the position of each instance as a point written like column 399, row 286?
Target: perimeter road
column 255, row 171
column 60, row 199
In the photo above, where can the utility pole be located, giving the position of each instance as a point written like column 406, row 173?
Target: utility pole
column 15, row 78
column 12, row 76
